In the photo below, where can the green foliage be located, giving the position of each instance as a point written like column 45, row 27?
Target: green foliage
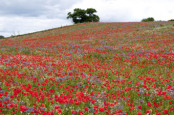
column 150, row 19
column 171, row 20
column 91, row 16
column 81, row 15
column 2, row 37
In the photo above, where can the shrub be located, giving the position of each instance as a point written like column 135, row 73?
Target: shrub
column 150, row 19
column 2, row 37
column 171, row 20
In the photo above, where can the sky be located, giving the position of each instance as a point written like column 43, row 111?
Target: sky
column 25, row 16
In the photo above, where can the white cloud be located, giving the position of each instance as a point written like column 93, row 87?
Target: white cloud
column 21, row 25
column 130, row 10
column 23, row 16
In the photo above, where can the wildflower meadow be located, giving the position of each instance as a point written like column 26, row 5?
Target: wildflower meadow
column 90, row 68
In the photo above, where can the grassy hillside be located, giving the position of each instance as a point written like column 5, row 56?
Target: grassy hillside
column 101, row 68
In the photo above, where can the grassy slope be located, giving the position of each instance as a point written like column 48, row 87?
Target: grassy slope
column 136, row 58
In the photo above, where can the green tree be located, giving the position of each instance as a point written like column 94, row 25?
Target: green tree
column 81, row 15
column 150, row 19
column 2, row 37
column 91, row 16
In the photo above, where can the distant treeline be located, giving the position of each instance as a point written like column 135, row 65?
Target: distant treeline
column 151, row 19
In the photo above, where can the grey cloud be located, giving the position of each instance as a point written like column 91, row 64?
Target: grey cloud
column 34, row 8
column 21, row 8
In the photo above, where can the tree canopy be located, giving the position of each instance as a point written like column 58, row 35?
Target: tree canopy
column 81, row 15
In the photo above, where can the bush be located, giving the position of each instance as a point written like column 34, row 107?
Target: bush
column 150, row 19
column 171, row 20
column 2, row 37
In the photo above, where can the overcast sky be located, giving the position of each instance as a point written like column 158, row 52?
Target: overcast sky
column 24, row 16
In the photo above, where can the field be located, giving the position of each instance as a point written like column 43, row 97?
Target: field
column 90, row 68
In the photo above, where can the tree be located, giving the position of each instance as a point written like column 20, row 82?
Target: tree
column 2, row 37
column 81, row 15
column 150, row 19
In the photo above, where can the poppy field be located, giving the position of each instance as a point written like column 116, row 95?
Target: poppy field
column 89, row 68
